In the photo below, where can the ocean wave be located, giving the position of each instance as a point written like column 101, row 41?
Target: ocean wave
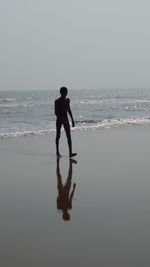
column 111, row 123
column 87, row 121
column 7, row 99
column 91, row 102
column 14, row 105
column 84, row 125
column 26, row 133
column 115, row 100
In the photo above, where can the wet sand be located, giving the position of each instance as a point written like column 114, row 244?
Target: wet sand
column 109, row 212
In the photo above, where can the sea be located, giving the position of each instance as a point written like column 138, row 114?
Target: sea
column 26, row 113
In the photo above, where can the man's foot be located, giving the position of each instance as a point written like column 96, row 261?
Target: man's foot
column 74, row 185
column 72, row 155
column 73, row 161
column 58, row 155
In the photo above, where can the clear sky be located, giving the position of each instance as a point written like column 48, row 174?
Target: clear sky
column 45, row 44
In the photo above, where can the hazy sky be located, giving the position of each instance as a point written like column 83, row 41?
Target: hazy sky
column 45, row 44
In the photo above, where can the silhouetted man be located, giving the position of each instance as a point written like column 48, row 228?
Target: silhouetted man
column 62, row 107
column 64, row 200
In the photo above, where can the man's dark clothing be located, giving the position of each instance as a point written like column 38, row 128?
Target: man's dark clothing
column 61, row 108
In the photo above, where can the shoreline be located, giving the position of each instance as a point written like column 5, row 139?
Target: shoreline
column 75, row 131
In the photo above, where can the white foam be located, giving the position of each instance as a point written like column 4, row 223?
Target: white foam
column 26, row 133
column 91, row 102
column 7, row 99
column 84, row 126
column 105, row 124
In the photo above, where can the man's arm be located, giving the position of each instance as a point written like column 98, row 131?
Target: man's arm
column 56, row 108
column 70, row 113
column 72, row 193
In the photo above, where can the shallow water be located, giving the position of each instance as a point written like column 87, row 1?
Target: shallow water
column 24, row 113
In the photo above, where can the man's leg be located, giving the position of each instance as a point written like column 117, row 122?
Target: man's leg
column 58, row 129
column 68, row 134
column 59, row 179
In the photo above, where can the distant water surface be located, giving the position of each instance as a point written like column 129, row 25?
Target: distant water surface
column 32, row 112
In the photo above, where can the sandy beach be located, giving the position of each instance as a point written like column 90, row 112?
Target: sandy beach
column 110, row 210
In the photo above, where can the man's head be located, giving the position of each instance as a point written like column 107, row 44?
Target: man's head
column 66, row 216
column 63, row 92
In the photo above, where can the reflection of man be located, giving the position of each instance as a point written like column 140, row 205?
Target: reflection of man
column 64, row 199
column 62, row 108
